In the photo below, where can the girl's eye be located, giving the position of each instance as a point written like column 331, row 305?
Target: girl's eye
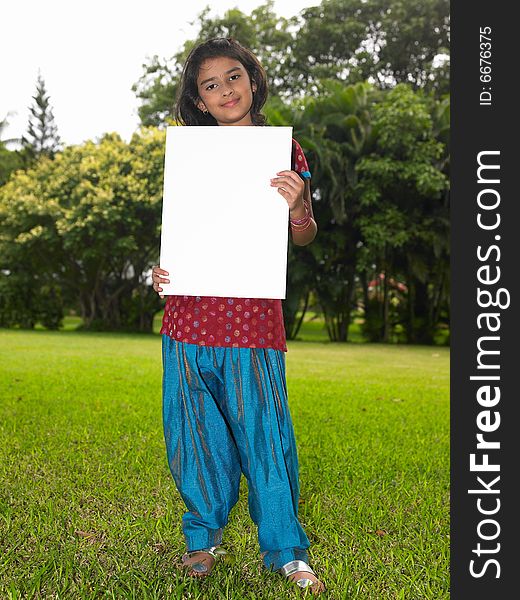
column 210, row 86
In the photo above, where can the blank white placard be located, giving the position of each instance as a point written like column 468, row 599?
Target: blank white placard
column 224, row 227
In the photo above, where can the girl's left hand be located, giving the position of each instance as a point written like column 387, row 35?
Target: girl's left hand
column 291, row 186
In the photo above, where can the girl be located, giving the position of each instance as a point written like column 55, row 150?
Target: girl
column 225, row 406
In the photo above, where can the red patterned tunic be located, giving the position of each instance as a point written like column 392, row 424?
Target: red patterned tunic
column 232, row 322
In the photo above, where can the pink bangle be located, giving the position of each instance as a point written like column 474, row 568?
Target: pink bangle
column 302, row 220
column 301, row 227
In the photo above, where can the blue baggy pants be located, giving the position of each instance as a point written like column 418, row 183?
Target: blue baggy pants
column 225, row 412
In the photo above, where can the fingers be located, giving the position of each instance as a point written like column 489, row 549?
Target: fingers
column 288, row 179
column 287, row 189
column 156, row 270
column 158, row 290
column 290, row 186
column 289, row 175
column 159, row 276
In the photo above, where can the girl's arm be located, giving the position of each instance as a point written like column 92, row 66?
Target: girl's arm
column 298, row 196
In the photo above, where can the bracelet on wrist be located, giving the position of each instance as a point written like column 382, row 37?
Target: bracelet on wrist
column 302, row 227
column 302, row 220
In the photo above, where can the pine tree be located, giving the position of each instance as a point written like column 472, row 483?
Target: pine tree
column 42, row 133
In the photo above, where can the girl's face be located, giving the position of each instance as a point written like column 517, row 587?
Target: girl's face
column 225, row 90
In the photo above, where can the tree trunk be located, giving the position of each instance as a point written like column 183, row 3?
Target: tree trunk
column 386, row 300
column 386, row 296
column 423, row 333
column 410, row 310
column 364, row 285
column 438, row 295
column 351, row 282
column 304, row 310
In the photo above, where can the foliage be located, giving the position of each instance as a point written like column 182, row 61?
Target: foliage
column 88, row 222
column 26, row 300
column 386, row 42
column 10, row 161
column 344, row 40
column 378, row 165
column 405, row 221
column 335, row 131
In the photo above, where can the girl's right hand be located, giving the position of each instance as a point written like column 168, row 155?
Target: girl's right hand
column 159, row 277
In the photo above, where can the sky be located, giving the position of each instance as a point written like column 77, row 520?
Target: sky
column 89, row 55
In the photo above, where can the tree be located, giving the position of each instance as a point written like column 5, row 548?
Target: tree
column 384, row 41
column 405, row 220
column 337, row 131
column 378, row 167
column 29, row 291
column 84, row 227
column 42, row 137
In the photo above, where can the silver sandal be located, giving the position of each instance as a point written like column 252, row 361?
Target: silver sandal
column 299, row 565
column 199, row 567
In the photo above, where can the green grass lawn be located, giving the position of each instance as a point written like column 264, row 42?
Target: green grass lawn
column 88, row 508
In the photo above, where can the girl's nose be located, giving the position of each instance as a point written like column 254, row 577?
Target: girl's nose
column 227, row 88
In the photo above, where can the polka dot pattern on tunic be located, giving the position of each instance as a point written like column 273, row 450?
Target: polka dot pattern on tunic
column 259, row 327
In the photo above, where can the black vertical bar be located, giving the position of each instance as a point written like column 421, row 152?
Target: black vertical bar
column 485, row 116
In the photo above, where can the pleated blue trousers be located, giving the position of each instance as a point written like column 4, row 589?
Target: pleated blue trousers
column 225, row 413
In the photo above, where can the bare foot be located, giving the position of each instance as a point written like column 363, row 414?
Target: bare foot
column 198, row 564
column 316, row 588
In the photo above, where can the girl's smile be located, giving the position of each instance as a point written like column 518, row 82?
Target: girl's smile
column 231, row 103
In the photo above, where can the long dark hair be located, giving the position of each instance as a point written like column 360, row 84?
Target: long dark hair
column 186, row 111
